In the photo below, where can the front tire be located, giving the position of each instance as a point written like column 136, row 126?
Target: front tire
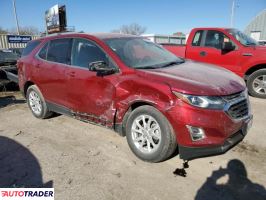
column 256, row 84
column 37, row 103
column 149, row 134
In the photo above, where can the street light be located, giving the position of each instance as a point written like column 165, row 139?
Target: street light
column 232, row 14
column 235, row 4
column 16, row 17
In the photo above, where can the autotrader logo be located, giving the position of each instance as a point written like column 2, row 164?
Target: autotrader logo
column 26, row 193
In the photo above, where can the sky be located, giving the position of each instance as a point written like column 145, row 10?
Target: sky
column 158, row 16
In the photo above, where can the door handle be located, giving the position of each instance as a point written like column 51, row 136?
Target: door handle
column 203, row 53
column 71, row 74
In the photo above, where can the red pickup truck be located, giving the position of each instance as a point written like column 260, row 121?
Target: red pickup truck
column 230, row 49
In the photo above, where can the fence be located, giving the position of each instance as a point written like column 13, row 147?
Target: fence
column 4, row 44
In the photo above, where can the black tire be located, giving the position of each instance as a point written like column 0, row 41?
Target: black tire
column 250, row 82
column 44, row 112
column 168, row 143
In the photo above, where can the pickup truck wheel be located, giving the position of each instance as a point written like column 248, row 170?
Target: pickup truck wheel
column 149, row 134
column 256, row 84
column 37, row 103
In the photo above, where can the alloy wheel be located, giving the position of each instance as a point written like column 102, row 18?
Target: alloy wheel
column 35, row 103
column 146, row 134
column 259, row 84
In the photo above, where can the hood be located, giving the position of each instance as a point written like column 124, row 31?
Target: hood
column 257, row 50
column 197, row 79
column 260, row 47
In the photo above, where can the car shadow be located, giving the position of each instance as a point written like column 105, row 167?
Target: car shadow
column 9, row 100
column 19, row 167
column 237, row 187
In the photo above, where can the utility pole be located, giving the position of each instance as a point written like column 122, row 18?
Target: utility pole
column 16, row 17
column 232, row 14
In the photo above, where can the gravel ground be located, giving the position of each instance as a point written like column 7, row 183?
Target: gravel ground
column 83, row 161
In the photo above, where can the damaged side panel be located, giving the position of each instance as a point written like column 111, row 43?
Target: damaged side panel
column 138, row 91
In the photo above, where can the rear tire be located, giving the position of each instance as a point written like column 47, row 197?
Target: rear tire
column 256, row 84
column 37, row 103
column 149, row 134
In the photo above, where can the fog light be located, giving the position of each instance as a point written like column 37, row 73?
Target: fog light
column 196, row 133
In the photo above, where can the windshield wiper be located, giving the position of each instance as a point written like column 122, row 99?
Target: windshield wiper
column 161, row 65
column 172, row 63
column 146, row 67
column 251, row 44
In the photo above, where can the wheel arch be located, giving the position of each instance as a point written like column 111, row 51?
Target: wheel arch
column 253, row 69
column 120, row 127
column 26, row 86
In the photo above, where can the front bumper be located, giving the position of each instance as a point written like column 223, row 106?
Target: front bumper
column 222, row 131
column 190, row 153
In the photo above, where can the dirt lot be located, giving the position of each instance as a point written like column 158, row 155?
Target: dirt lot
column 83, row 161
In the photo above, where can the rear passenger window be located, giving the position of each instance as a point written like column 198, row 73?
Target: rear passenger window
column 29, row 48
column 197, row 38
column 43, row 53
column 59, row 50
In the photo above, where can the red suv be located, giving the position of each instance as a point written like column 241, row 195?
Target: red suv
column 157, row 100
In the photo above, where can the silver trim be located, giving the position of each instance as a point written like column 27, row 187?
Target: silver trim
column 189, row 127
column 247, row 54
column 230, row 103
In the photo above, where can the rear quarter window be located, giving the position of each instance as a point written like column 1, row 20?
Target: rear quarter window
column 29, row 48
column 43, row 52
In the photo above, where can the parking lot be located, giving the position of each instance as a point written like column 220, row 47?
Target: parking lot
column 83, row 161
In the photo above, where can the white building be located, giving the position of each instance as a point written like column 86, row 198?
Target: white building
column 166, row 39
column 257, row 27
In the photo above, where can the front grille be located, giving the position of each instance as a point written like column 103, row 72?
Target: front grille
column 239, row 109
column 232, row 96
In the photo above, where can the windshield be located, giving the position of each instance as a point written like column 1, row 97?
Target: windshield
column 141, row 53
column 242, row 38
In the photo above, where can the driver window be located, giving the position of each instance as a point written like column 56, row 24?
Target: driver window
column 216, row 39
column 85, row 52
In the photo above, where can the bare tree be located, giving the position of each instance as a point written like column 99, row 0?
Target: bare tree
column 26, row 30
column 133, row 29
column 3, row 31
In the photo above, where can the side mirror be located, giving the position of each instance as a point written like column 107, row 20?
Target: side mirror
column 101, row 68
column 228, row 46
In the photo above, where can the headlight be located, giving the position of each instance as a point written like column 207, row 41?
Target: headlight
column 209, row 102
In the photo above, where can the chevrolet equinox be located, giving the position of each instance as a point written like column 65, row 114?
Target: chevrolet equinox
column 129, row 84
